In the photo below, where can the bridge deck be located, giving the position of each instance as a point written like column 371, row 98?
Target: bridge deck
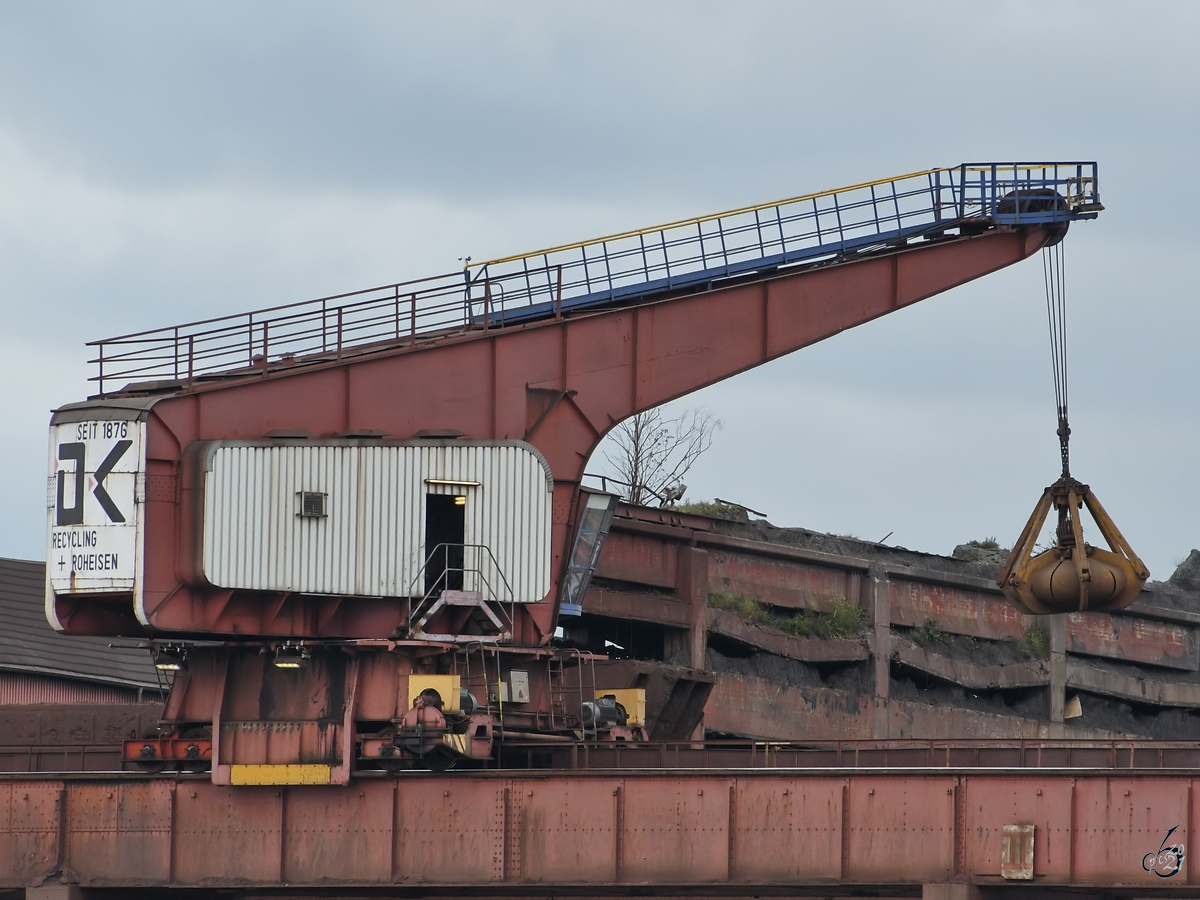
column 606, row 832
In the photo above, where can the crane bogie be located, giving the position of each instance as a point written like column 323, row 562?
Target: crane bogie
column 339, row 709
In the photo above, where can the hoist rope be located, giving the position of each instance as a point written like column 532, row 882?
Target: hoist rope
column 1056, row 313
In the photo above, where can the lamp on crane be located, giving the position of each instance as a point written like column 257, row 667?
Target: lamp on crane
column 291, row 656
column 169, row 658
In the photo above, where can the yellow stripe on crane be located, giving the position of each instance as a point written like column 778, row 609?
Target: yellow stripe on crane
column 712, row 216
column 281, row 774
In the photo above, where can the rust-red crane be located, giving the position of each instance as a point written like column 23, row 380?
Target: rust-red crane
column 366, row 487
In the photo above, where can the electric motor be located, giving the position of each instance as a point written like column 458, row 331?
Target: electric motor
column 604, row 712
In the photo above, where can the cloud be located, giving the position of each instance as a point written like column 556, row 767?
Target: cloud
column 102, row 259
column 482, row 100
column 161, row 163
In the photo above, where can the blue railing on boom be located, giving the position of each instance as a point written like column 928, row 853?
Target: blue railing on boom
column 630, row 267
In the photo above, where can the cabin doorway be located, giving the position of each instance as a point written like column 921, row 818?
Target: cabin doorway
column 445, row 534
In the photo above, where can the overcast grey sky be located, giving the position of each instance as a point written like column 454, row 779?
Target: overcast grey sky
column 167, row 162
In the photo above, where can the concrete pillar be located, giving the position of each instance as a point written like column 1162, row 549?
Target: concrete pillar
column 1058, row 666
column 879, row 611
column 691, row 585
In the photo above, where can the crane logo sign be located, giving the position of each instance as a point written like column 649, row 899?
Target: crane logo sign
column 93, row 504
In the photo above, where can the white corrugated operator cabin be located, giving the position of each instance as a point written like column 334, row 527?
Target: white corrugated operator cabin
column 378, row 519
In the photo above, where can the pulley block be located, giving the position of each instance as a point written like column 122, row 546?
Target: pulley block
column 1071, row 576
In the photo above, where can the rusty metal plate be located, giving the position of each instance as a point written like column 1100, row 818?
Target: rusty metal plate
column 638, row 558
column 120, row 833
column 675, row 830
column 799, row 713
column 1124, row 825
column 789, row 583
column 236, row 830
column 338, row 838
column 1134, row 639
column 563, row 833
column 900, row 829
column 786, row 830
column 991, row 804
column 450, row 830
column 958, row 610
column 28, row 830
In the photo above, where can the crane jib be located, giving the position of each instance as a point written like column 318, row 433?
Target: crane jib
column 629, row 267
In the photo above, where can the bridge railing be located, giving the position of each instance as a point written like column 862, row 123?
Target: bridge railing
column 869, row 754
column 625, row 267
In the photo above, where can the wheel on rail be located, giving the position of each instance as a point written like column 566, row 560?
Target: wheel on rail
column 150, row 762
column 195, row 761
column 439, row 761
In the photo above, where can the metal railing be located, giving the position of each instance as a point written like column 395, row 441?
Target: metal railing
column 477, row 560
column 627, row 267
column 874, row 754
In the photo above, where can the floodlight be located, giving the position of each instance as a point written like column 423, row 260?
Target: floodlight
column 169, row 659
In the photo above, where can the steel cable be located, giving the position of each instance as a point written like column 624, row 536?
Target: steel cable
column 1054, row 276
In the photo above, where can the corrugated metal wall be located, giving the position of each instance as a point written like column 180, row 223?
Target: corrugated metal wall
column 372, row 540
column 18, row 688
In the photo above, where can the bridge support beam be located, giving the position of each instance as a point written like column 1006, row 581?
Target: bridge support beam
column 1058, row 667
column 748, row 831
column 880, row 611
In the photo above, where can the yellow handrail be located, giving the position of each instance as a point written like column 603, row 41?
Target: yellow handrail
column 710, row 217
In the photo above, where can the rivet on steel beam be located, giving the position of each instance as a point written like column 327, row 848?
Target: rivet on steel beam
column 699, row 793
column 1039, row 793
column 871, row 791
column 531, row 793
column 445, row 793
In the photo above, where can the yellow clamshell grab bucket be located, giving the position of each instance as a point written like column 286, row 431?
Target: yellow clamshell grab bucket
column 1072, row 576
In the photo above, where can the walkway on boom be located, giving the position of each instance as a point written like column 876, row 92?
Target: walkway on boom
column 621, row 269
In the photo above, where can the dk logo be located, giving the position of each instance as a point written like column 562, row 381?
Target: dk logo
column 73, row 515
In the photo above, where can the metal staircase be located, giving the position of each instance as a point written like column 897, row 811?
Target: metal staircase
column 490, row 601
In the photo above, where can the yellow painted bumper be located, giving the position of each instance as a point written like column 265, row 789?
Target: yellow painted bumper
column 295, row 774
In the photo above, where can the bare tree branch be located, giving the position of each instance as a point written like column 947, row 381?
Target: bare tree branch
column 652, row 453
